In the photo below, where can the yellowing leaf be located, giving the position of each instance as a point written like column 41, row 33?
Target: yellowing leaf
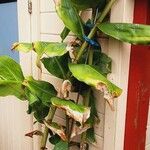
column 92, row 77
column 51, row 49
column 24, row 47
column 78, row 112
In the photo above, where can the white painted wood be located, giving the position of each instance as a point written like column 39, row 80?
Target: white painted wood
column 147, row 144
column 120, row 53
column 148, row 122
column 47, row 6
column 24, row 26
column 35, row 36
column 147, row 147
column 51, row 24
column 14, row 125
column 148, row 136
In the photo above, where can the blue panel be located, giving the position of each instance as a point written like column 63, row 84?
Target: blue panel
column 8, row 29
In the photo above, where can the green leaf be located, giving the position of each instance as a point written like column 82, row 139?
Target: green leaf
column 62, row 145
column 84, row 4
column 57, row 66
column 70, row 17
column 92, row 77
column 31, row 97
column 54, row 139
column 78, row 112
column 131, row 33
column 90, row 135
column 102, row 62
column 56, row 128
column 55, row 49
column 10, row 70
column 41, row 89
column 39, row 110
column 12, row 88
column 64, row 33
column 94, row 118
column 11, row 78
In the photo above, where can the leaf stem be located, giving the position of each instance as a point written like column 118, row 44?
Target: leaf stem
column 45, row 134
column 94, row 29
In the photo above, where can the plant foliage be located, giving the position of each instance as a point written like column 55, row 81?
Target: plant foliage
column 80, row 64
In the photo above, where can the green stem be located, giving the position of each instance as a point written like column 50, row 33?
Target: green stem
column 90, row 59
column 45, row 134
column 83, row 136
column 67, row 126
column 94, row 30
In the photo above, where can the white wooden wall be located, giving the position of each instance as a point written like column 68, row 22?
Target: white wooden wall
column 148, row 132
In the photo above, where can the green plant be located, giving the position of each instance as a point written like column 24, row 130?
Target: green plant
column 80, row 64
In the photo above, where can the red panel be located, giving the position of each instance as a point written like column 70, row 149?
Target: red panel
column 139, row 86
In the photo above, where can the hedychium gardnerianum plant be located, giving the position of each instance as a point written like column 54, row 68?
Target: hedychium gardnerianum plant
column 82, row 67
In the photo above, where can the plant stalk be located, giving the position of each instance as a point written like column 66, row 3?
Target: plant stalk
column 45, row 134
column 83, row 144
column 94, row 29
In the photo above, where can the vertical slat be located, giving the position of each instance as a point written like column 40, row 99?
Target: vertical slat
column 120, row 54
column 35, row 36
column 24, row 26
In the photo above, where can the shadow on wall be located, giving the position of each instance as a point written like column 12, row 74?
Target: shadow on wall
column 8, row 29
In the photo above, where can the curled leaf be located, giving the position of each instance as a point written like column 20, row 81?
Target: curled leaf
column 56, row 128
column 78, row 112
column 36, row 132
column 77, row 130
column 126, row 32
column 92, row 77
column 66, row 88
column 72, row 51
